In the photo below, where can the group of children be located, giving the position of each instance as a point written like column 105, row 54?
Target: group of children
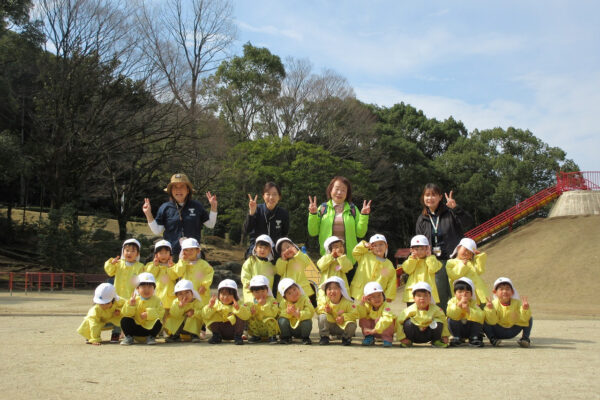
column 175, row 298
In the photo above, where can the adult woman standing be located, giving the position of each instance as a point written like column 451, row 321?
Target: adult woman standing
column 266, row 218
column 338, row 216
column 181, row 216
column 443, row 225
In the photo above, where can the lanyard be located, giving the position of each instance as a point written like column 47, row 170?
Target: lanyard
column 435, row 226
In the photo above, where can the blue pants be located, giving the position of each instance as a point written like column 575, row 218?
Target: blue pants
column 499, row 332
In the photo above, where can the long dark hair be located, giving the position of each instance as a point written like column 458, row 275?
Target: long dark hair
column 435, row 189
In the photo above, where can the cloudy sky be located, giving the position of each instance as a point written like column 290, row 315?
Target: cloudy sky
column 532, row 65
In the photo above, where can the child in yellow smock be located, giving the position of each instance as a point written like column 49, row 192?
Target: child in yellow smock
column 106, row 309
column 376, row 320
column 467, row 261
column 333, row 263
column 163, row 269
column 262, row 324
column 420, row 266
column 259, row 263
column 292, row 264
column 191, row 267
column 186, row 313
column 295, row 313
column 224, row 316
column 422, row 322
column 508, row 315
column 373, row 266
column 143, row 313
column 336, row 315
column 465, row 318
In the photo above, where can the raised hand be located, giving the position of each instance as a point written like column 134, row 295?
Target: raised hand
column 170, row 263
column 327, row 308
column 212, row 199
column 488, row 303
column 144, row 315
column 213, row 300
column 312, row 205
column 201, row 289
column 413, row 252
column 339, row 319
column 115, row 260
column 146, row 208
column 450, row 202
column 252, row 204
column 366, row 208
column 155, row 261
column 525, row 303
column 235, row 304
column 132, row 299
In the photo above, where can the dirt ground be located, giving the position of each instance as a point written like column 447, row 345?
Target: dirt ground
column 44, row 357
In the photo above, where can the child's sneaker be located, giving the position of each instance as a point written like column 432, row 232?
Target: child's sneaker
column 306, row 341
column 324, row 340
column 285, row 340
column 254, row 339
column 455, row 342
column 405, row 345
column 127, row 341
column 524, row 342
column 238, row 340
column 215, row 339
column 476, row 342
column 346, row 341
column 195, row 339
column 387, row 343
column 114, row 337
column 273, row 340
column 150, row 340
column 495, row 342
column 369, row 340
column 440, row 344
column 172, row 339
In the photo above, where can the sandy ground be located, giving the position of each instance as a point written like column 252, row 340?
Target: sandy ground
column 43, row 357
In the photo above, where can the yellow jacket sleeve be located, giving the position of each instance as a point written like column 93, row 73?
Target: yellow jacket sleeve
column 456, row 269
column 479, row 262
column 453, row 311
column 247, row 271
column 359, row 251
column 280, row 267
column 325, row 262
column 307, row 310
column 433, row 264
column 385, row 321
column 390, row 287
column 409, row 265
column 440, row 317
column 180, row 268
column 110, row 268
column 176, row 311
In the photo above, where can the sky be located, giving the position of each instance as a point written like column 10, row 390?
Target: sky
column 528, row 64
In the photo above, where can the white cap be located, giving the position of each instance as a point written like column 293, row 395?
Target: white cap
column 372, row 287
column 329, row 241
column 105, row 293
column 261, row 280
column 184, row 285
column 377, row 238
column 145, row 277
column 469, row 282
column 229, row 284
column 190, row 243
column 503, row 279
column 162, row 243
column 339, row 281
column 280, row 242
column 285, row 284
column 422, row 286
column 264, row 239
column 131, row 241
column 419, row 240
column 467, row 243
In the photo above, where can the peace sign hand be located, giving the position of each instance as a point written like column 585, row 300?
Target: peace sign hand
column 252, row 204
column 525, row 303
column 147, row 208
column 212, row 199
column 366, row 208
column 450, row 202
column 312, row 205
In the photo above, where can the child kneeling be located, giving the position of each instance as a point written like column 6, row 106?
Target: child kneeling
column 465, row 318
column 337, row 314
column 185, row 314
column 143, row 312
column 423, row 321
column 507, row 316
column 224, row 316
column 295, row 313
column 106, row 309
column 262, row 323
column 376, row 320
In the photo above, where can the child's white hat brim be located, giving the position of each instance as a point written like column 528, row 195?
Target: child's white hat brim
column 419, row 240
column 105, row 293
column 264, row 239
column 339, row 281
column 281, row 241
column 162, row 243
column 190, row 243
column 422, row 286
column 260, row 281
column 469, row 282
column 377, row 238
column 504, row 279
column 329, row 241
column 372, row 287
column 184, row 285
column 228, row 284
column 467, row 243
column 145, row 277
column 131, row 241
column 285, row 284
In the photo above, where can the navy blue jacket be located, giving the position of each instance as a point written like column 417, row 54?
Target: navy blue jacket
column 186, row 221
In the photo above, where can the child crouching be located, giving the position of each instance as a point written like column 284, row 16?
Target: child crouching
column 143, row 312
column 375, row 318
column 507, row 316
column 224, row 316
column 295, row 313
column 337, row 313
column 106, row 309
column 465, row 318
column 185, row 314
column 262, row 323
column 423, row 321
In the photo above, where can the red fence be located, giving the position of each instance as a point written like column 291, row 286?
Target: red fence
column 582, row 180
column 31, row 281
